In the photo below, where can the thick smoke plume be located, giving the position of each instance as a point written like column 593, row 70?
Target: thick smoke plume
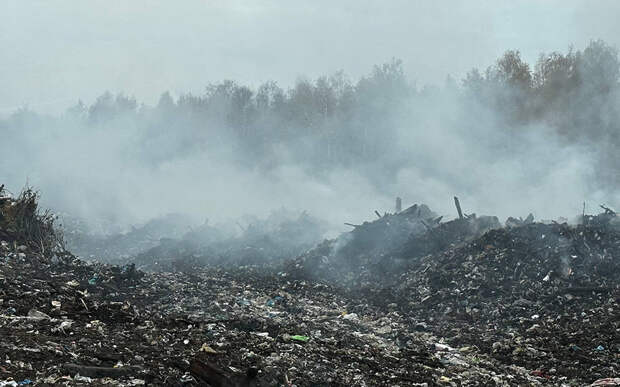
column 511, row 139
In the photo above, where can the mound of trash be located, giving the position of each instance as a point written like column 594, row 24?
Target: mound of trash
column 527, row 295
column 387, row 246
column 267, row 242
column 544, row 296
column 172, row 243
column 530, row 261
column 117, row 247
column 465, row 302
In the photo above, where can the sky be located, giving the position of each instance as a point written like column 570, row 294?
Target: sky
column 53, row 53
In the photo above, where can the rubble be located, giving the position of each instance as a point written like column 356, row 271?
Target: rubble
column 118, row 247
column 388, row 245
column 528, row 304
column 153, row 331
column 282, row 235
column 527, row 295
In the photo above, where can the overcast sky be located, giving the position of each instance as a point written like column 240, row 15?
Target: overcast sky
column 54, row 52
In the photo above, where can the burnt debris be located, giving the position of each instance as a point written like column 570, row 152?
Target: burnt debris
column 403, row 299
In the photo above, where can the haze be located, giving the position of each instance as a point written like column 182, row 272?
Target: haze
column 56, row 52
column 223, row 109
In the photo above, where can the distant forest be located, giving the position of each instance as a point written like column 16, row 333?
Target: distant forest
column 336, row 122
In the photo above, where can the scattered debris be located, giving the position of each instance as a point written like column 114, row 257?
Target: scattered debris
column 465, row 302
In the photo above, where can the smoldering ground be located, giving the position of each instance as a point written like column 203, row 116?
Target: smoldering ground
column 202, row 219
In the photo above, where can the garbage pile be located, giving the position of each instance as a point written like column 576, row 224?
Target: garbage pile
column 526, row 304
column 85, row 324
column 172, row 243
column 542, row 296
column 387, row 246
column 118, row 247
column 267, row 242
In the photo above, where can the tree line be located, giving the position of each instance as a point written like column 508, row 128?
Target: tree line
column 334, row 121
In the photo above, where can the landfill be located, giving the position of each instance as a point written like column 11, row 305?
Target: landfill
column 405, row 299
